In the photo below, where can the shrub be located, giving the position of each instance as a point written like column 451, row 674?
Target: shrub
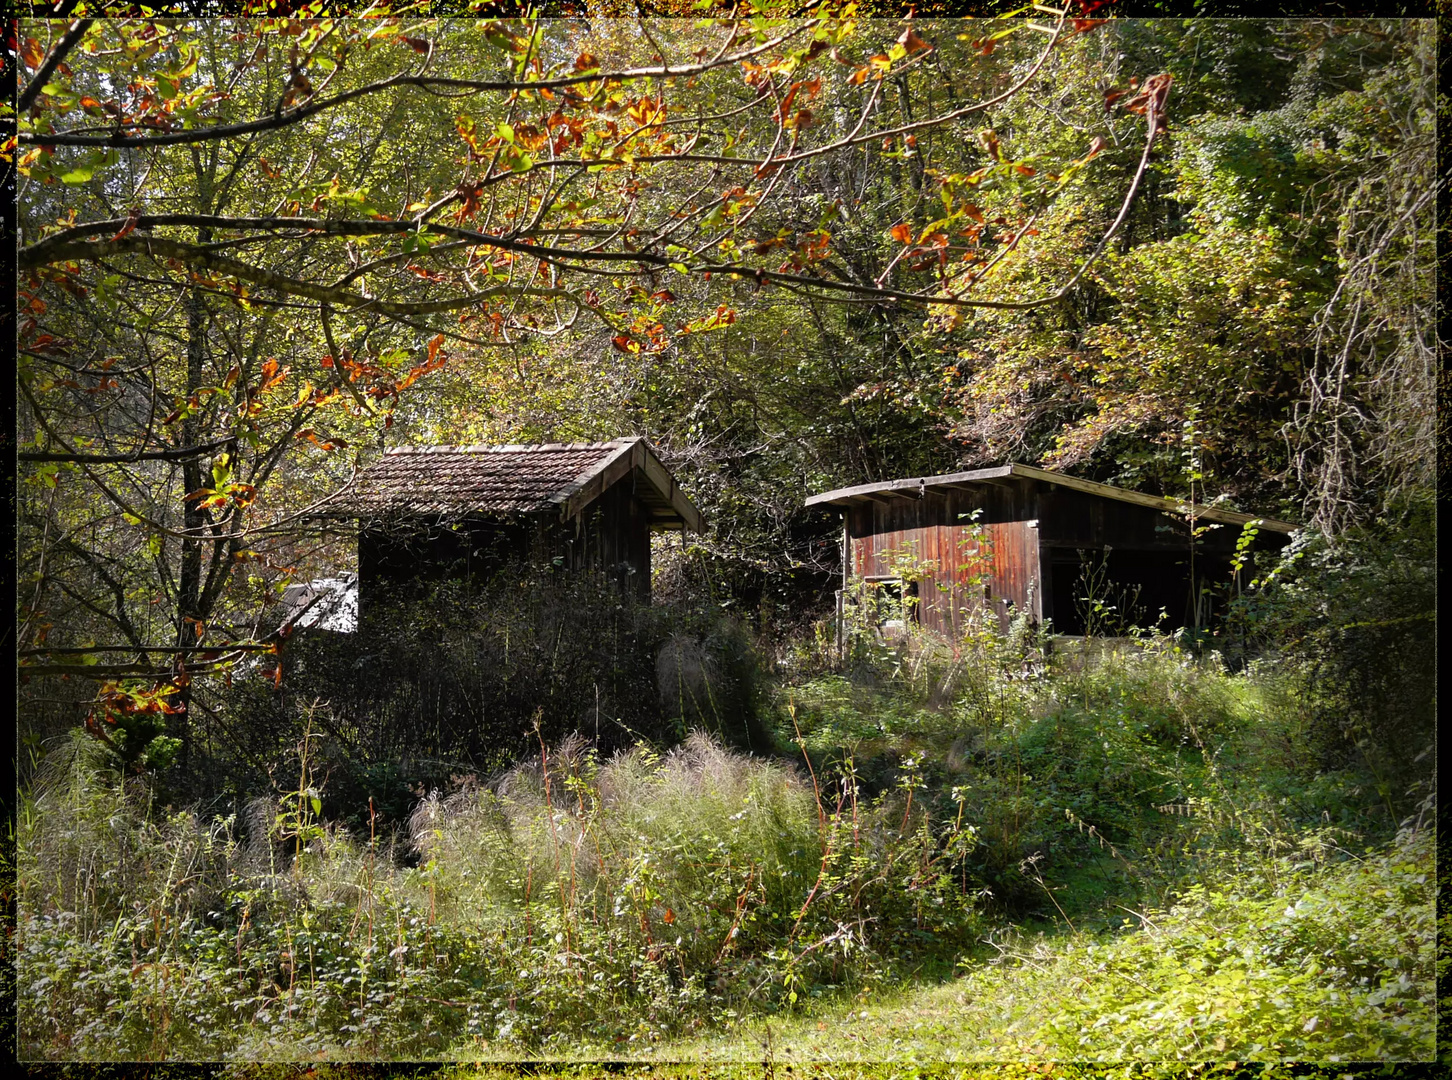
column 1357, row 613
column 436, row 687
column 668, row 889
column 1321, row 960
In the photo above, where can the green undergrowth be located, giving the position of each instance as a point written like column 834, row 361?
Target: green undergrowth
column 1001, row 853
column 1116, row 776
column 625, row 1070
column 573, row 901
column 1314, row 959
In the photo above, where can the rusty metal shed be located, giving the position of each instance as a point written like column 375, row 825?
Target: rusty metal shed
column 442, row 512
column 1021, row 538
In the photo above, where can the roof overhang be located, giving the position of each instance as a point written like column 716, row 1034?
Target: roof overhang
column 916, row 487
column 662, row 497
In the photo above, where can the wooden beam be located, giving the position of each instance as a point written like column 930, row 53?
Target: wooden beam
column 608, row 472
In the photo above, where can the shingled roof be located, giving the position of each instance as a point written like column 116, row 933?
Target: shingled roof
column 563, row 478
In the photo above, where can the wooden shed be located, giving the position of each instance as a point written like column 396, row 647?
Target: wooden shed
column 441, row 512
column 1028, row 540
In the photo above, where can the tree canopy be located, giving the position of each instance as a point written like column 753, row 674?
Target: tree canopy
column 794, row 252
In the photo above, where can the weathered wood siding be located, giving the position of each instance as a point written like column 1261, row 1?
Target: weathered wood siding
column 1023, row 553
column 1076, row 519
column 611, row 536
column 962, row 562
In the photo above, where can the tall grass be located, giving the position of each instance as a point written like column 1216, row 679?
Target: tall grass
column 598, row 904
column 616, row 901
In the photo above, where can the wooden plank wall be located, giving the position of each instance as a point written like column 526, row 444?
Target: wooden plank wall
column 615, row 533
column 961, row 562
column 1022, row 527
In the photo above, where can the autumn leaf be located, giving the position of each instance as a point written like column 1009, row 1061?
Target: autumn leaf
column 902, row 233
column 911, row 42
column 128, row 226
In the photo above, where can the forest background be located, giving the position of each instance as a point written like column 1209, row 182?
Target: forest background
column 1188, row 257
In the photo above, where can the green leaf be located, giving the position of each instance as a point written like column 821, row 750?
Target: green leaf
column 81, row 173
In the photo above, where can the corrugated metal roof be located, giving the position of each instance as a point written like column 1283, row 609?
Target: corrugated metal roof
column 913, row 487
column 453, row 480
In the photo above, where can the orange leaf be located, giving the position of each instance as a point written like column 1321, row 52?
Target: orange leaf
column 902, row 233
column 434, row 346
column 127, row 227
column 625, row 343
column 911, row 42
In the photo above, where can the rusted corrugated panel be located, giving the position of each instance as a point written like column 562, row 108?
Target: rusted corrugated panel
column 959, row 559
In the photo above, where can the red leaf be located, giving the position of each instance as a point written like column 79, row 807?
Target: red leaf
column 418, row 45
column 625, row 343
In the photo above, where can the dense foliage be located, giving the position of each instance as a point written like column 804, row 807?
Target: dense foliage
column 525, row 816
column 584, row 905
